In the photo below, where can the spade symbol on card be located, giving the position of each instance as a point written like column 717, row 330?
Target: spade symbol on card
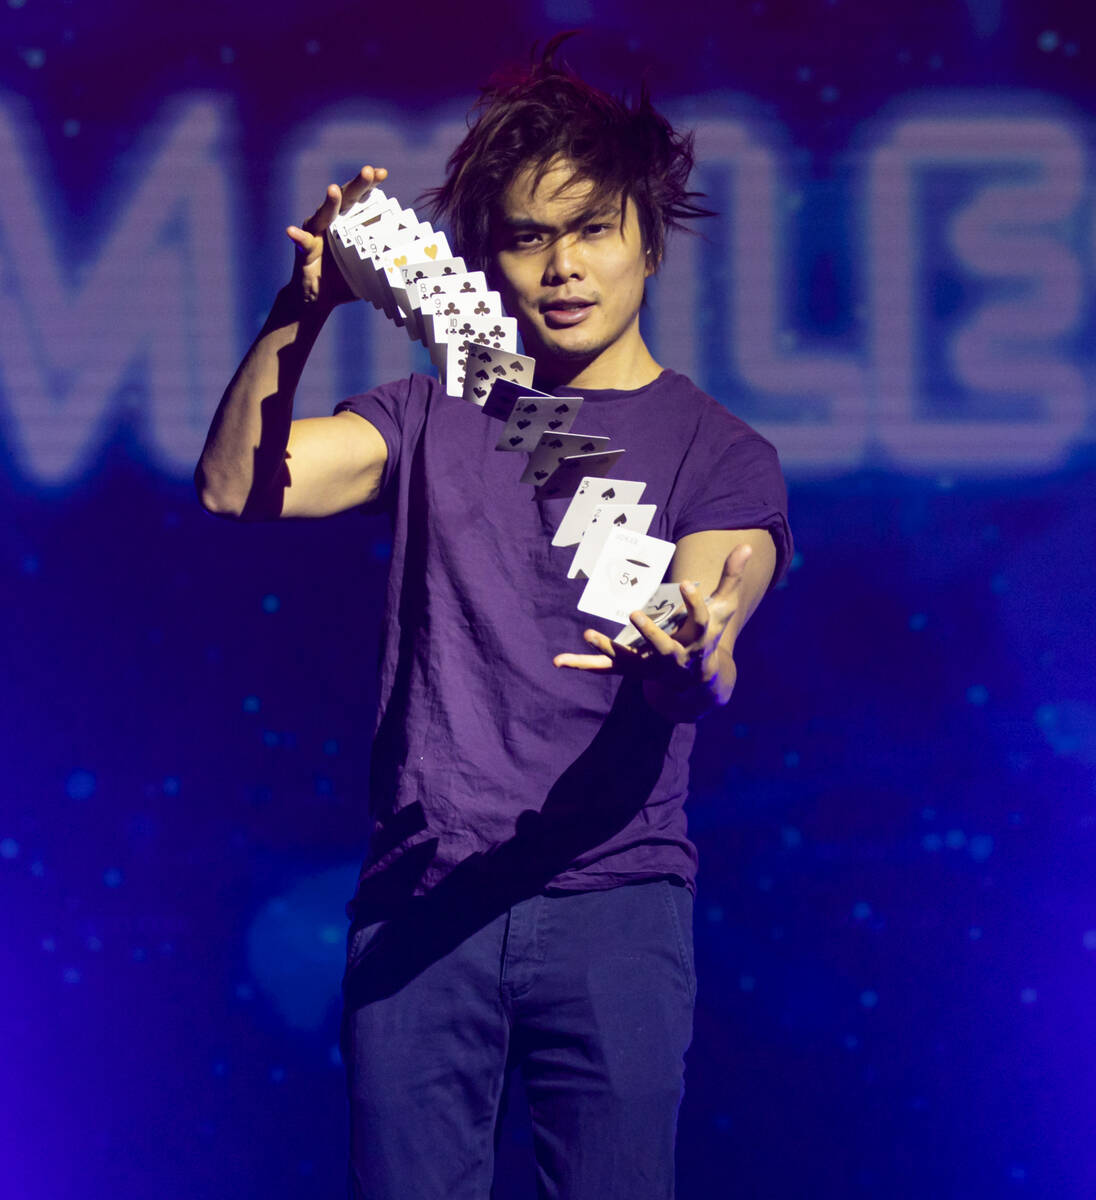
column 564, row 408
column 482, row 374
column 516, row 366
column 608, row 494
column 498, row 370
column 554, row 424
column 514, row 441
column 555, row 443
column 588, row 448
column 621, row 519
column 484, row 357
column 524, row 424
column 541, row 474
column 530, row 408
column 480, row 391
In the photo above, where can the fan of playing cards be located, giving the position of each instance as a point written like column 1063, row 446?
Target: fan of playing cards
column 403, row 266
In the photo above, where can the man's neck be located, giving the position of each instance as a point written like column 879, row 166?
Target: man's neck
column 623, row 371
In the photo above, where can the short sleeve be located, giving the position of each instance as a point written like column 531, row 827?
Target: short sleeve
column 386, row 408
column 737, row 483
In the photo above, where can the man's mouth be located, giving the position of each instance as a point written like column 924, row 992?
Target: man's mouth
column 562, row 313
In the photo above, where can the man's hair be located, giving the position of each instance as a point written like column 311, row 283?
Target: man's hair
column 534, row 116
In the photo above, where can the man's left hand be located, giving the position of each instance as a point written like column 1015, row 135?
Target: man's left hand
column 687, row 673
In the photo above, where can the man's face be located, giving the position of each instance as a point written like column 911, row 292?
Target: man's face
column 573, row 277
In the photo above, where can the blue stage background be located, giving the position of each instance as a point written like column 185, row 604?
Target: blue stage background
column 896, row 815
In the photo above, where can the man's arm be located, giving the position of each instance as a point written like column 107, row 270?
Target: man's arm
column 723, row 576
column 258, row 463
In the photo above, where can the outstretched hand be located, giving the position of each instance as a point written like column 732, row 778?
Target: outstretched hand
column 317, row 280
column 687, row 672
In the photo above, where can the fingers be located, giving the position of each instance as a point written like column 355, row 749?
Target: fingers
column 362, row 184
column 601, row 663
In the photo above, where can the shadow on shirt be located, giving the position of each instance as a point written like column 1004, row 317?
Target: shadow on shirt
column 595, row 797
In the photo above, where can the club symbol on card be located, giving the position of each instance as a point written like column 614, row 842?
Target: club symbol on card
column 498, row 332
column 450, row 309
column 481, row 309
column 466, row 329
column 482, row 338
column 467, row 287
column 419, row 275
column 436, row 290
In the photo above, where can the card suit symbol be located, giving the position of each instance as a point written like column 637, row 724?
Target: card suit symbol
column 563, row 408
column 554, row 424
column 467, row 287
column 436, row 290
column 482, row 374
column 608, row 494
column 481, row 309
column 483, row 357
column 555, row 443
column 498, row 371
column 448, row 271
column 515, row 440
column 462, row 363
column 516, row 366
column 540, row 474
column 466, row 329
column 481, row 338
column 431, row 251
column 530, row 408
column 401, row 261
column 524, row 424
column 451, row 309
column 621, row 519
column 497, row 332
column 588, row 448
column 480, row 391
column 419, row 275
column 497, row 345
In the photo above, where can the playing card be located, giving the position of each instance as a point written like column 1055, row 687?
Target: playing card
column 459, row 320
column 426, row 245
column 666, row 608
column 370, row 241
column 591, row 492
column 533, row 416
column 565, row 479
column 367, row 209
column 605, row 519
column 495, row 335
column 504, row 394
column 626, row 574
column 416, row 273
column 485, row 365
column 553, row 448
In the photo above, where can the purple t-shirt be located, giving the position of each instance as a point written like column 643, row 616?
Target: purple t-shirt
column 485, row 754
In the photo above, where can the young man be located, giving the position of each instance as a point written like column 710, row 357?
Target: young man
column 527, row 897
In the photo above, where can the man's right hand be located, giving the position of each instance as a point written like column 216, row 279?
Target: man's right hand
column 318, row 279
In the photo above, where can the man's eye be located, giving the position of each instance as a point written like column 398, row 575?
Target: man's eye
column 527, row 238
column 596, row 228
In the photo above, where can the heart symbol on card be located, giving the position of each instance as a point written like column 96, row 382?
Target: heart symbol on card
column 430, row 251
column 401, row 261
column 524, row 424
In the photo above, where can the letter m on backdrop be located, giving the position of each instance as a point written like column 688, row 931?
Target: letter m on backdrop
column 147, row 312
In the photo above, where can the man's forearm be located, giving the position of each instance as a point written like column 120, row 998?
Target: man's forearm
column 245, row 447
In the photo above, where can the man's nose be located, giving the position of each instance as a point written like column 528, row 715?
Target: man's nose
column 565, row 260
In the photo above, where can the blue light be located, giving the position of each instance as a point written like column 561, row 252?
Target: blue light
column 977, row 694
column 9, row 848
column 80, row 785
column 271, row 603
column 869, row 998
column 251, row 704
column 112, row 877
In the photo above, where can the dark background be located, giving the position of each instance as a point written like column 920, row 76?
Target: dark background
column 896, row 815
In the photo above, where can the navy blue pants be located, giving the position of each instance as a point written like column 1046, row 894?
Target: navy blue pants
column 590, row 995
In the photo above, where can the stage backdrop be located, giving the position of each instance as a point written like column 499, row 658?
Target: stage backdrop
column 896, row 816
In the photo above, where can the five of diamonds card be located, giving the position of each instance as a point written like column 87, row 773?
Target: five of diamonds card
column 404, row 267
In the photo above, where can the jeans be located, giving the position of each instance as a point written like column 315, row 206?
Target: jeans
column 590, row 995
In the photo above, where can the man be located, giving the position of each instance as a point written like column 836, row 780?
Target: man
column 527, row 897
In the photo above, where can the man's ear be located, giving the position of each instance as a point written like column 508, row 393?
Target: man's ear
column 651, row 265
